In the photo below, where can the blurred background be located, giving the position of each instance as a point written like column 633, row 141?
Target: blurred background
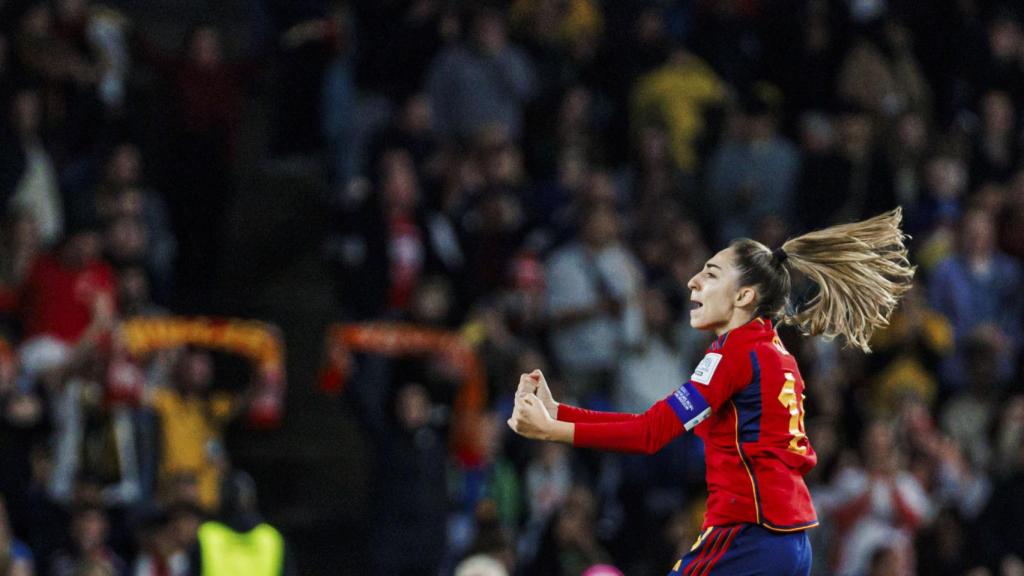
column 283, row 261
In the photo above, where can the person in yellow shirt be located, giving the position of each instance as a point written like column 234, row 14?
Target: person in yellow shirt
column 676, row 95
column 192, row 423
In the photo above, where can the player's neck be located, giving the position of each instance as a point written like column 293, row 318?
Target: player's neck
column 739, row 318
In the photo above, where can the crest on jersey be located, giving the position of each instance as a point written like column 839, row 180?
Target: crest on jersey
column 778, row 344
column 706, row 369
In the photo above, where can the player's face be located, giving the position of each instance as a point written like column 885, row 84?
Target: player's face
column 713, row 292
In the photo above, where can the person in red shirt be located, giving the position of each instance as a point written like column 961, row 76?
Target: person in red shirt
column 63, row 288
column 745, row 398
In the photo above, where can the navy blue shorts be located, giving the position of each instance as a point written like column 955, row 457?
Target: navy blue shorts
column 746, row 549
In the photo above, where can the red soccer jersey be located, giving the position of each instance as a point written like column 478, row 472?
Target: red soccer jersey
column 745, row 400
column 57, row 300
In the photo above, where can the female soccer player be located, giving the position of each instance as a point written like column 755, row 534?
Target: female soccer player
column 745, row 398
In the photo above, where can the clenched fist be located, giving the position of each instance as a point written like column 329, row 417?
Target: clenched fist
column 535, row 383
column 530, row 419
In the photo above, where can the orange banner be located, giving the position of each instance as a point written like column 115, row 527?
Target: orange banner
column 260, row 342
column 389, row 339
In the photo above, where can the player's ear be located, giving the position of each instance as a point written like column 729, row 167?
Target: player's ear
column 745, row 296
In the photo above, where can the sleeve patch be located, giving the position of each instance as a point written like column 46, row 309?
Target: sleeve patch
column 690, row 407
column 706, row 369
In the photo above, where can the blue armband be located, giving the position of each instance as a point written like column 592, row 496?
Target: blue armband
column 690, row 407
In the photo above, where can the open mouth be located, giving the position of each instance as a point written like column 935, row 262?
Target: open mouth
column 694, row 305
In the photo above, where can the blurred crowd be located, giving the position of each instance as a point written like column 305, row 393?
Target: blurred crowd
column 110, row 465
column 543, row 176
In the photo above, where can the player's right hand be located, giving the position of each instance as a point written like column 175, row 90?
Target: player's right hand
column 530, row 419
column 535, row 383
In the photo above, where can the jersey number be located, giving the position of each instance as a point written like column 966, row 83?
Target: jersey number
column 795, row 406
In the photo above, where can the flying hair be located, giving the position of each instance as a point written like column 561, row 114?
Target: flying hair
column 861, row 271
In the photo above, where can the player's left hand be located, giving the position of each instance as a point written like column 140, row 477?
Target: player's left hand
column 530, row 419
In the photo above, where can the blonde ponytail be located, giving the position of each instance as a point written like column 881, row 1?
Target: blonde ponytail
column 861, row 270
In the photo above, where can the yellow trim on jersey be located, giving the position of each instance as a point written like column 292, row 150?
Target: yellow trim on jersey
column 797, row 529
column 739, row 452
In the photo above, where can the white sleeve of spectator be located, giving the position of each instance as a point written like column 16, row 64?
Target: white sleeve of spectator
column 567, row 286
column 914, row 496
column 849, row 485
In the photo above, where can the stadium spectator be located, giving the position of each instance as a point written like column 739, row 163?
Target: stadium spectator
column 881, row 72
column 123, row 168
column 410, row 484
column 808, row 58
column 652, row 356
column 970, row 414
column 978, row 268
column 396, row 243
column 23, row 423
column 488, row 480
column 591, row 283
column 753, row 173
column 495, row 218
column 944, row 547
column 308, row 91
column 42, row 520
column 89, row 552
column 906, row 145
column 562, row 204
column 66, row 286
column 123, row 193
column 19, row 248
column 522, row 305
column 482, row 82
column 412, row 130
column 239, row 540
column 569, row 544
column 909, row 353
column 561, row 38
column 35, row 184
column 579, row 126
column 945, row 187
column 654, row 177
column 678, row 95
column 338, row 98
column 55, row 50
column 205, row 92
column 184, row 520
column 134, row 295
column 847, row 183
column 158, row 554
column 549, row 478
column 877, row 504
column 192, row 421
column 1003, row 547
column 998, row 65
column 493, row 539
column 995, row 149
